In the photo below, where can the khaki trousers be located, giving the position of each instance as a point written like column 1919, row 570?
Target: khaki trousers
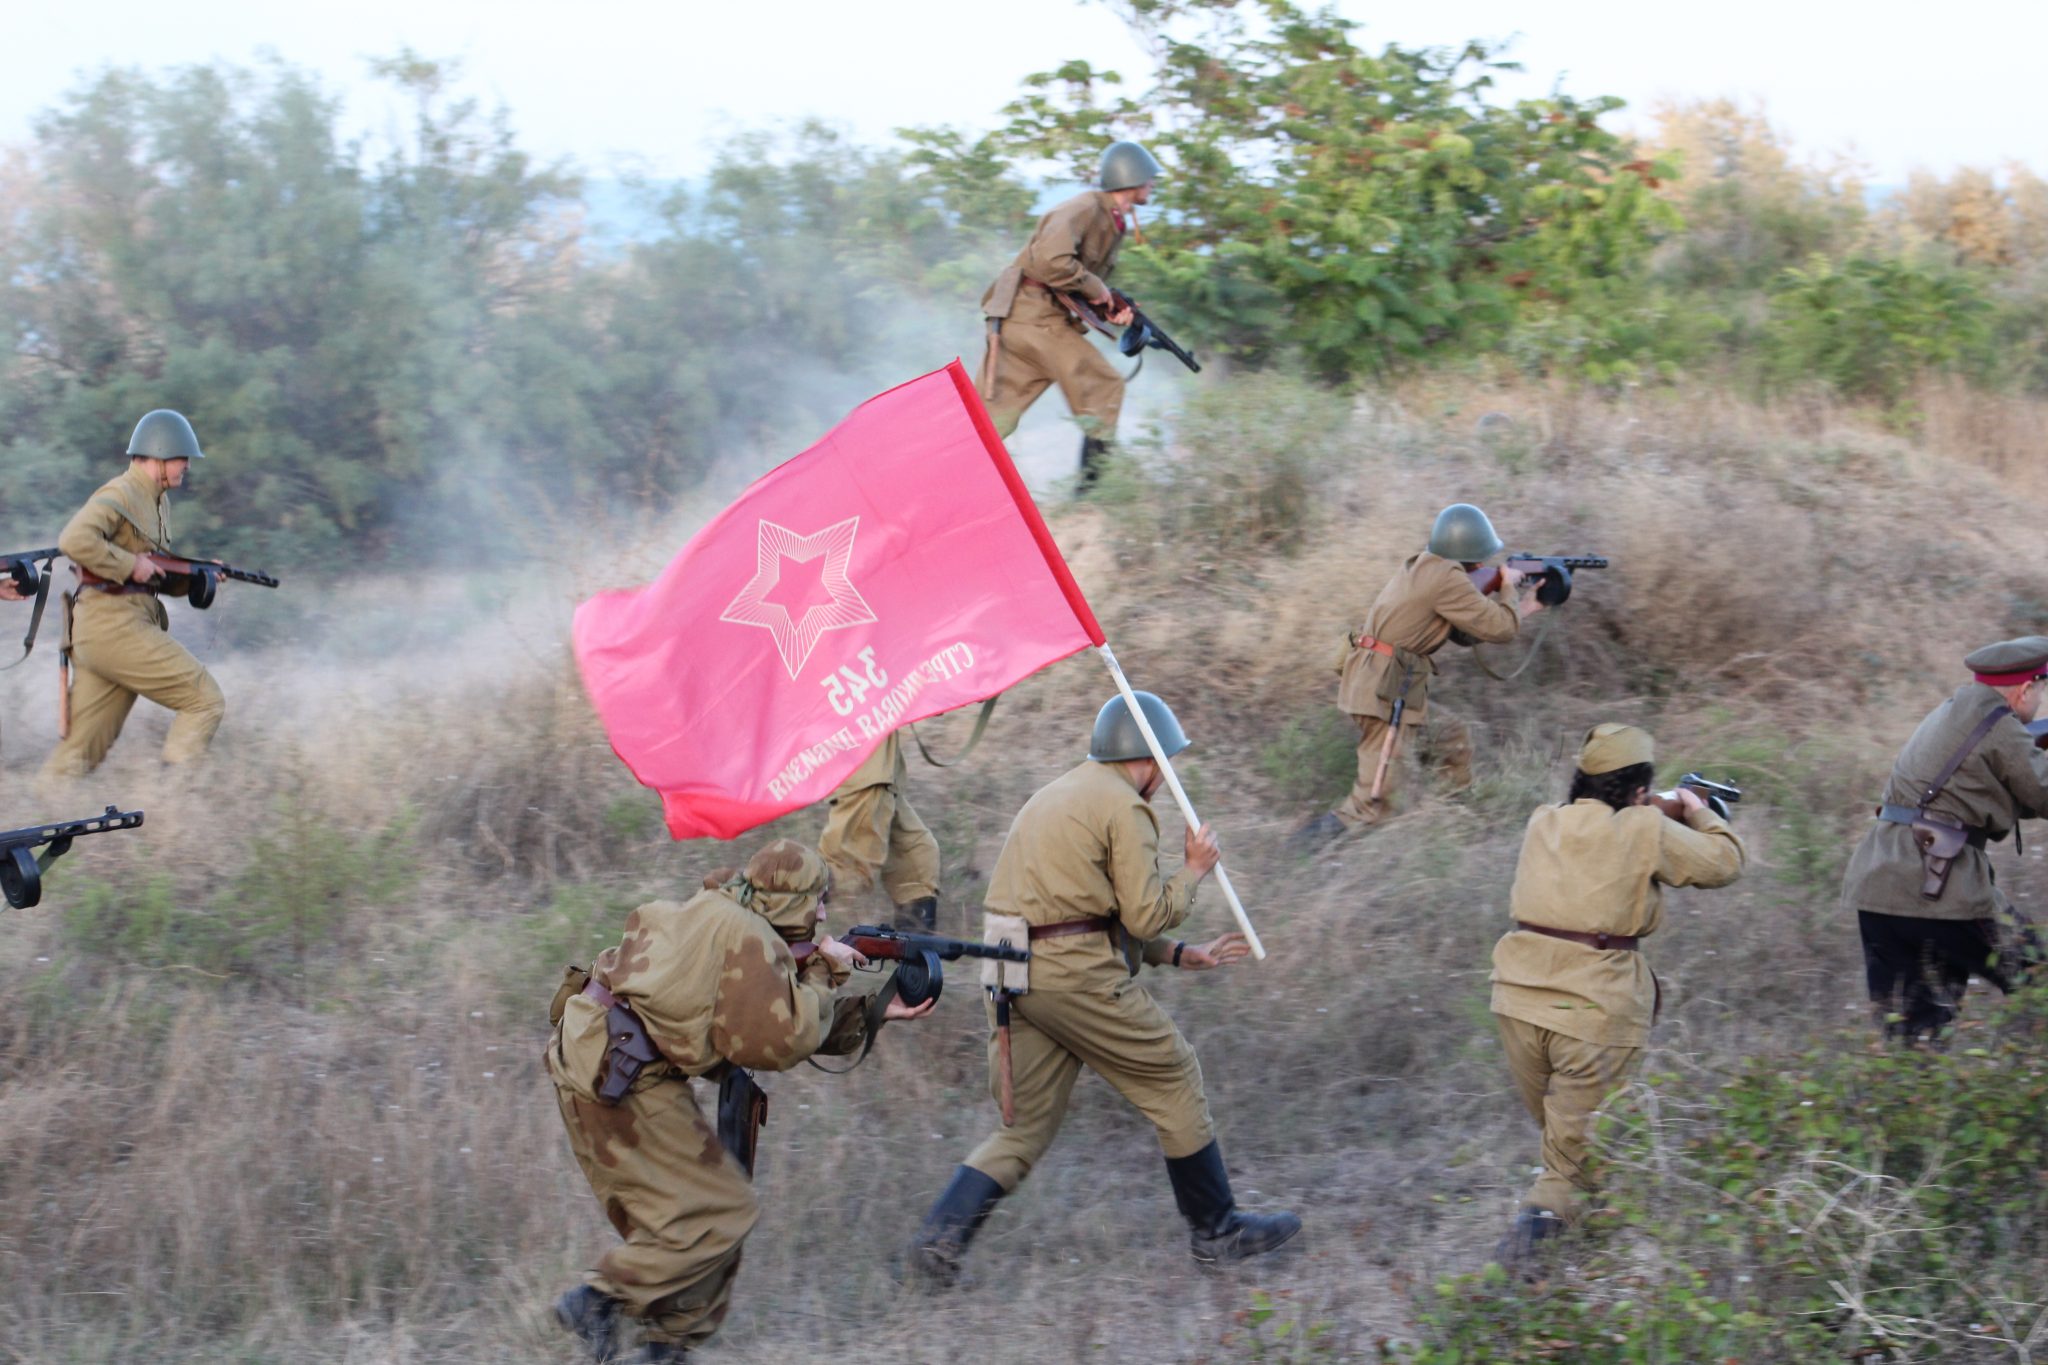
column 1034, row 356
column 121, row 649
column 1563, row 1082
column 1443, row 742
column 1122, row 1036
column 683, row 1205
column 874, row 831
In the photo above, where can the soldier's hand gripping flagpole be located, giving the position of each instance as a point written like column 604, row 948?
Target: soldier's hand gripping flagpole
column 1180, row 795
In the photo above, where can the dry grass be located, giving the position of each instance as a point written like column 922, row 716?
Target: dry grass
column 343, row 1148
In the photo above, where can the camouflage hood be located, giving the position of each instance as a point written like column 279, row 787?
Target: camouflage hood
column 783, row 884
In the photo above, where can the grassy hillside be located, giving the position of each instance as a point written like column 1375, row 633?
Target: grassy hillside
column 270, row 1084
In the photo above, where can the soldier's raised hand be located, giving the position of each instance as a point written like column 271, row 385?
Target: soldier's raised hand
column 1201, row 851
column 1217, row 952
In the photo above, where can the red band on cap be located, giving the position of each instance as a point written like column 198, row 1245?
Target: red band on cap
column 2019, row 679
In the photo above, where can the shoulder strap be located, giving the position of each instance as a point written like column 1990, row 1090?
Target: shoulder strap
column 980, row 724
column 1963, row 751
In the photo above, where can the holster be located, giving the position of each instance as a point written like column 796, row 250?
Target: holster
column 742, row 1109
column 1940, row 840
column 627, row 1052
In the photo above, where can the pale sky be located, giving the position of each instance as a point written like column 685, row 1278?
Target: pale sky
column 617, row 84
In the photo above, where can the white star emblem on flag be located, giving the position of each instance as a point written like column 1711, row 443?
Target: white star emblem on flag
column 819, row 561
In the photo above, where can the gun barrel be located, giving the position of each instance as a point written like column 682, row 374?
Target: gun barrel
column 1727, row 791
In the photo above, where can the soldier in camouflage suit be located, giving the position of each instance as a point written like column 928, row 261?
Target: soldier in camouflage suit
column 715, row 984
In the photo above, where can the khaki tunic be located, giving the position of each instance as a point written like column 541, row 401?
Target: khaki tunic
column 874, row 832
column 2002, row 782
column 1591, row 868
column 1087, row 845
column 714, row 984
column 120, row 644
column 1417, row 611
column 1574, row 1019
column 1074, row 248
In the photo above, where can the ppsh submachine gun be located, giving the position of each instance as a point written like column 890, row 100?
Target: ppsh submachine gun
column 198, row 580
column 919, row 975
column 1719, row 796
column 29, row 572
column 21, row 869
column 1138, row 335
column 1551, row 573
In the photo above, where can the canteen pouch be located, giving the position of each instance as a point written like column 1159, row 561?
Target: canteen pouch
column 1005, row 931
column 574, row 979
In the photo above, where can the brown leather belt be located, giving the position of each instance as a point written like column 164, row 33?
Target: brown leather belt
column 1364, row 641
column 1094, row 924
column 1604, row 942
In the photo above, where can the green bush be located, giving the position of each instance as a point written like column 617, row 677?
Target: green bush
column 291, row 898
column 1869, row 327
column 1850, row 1202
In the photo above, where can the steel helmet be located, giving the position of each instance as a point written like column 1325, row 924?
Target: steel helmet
column 1117, row 736
column 1463, row 533
column 165, row 435
column 1126, row 165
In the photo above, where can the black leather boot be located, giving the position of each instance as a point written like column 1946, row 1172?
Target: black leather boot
column 1094, row 451
column 962, row 1207
column 1217, row 1232
column 1518, row 1252
column 922, row 913
column 593, row 1317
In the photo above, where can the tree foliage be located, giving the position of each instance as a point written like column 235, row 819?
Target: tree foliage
column 1351, row 207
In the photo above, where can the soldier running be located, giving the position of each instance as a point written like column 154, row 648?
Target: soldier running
column 1387, row 669
column 1081, row 868
column 118, row 633
column 1928, row 908
column 1033, row 341
column 708, row 986
column 874, row 833
column 1572, row 995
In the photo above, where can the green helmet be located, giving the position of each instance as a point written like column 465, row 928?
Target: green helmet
column 165, row 435
column 1126, row 165
column 1463, row 533
column 1117, row 736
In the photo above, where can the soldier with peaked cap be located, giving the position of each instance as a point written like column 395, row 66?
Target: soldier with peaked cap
column 118, row 633
column 1930, row 913
column 1033, row 341
column 710, row 984
column 1572, row 995
column 1080, row 868
column 1390, row 661
column 873, row 832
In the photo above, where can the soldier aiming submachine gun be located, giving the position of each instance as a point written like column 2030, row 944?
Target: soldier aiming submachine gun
column 21, row 869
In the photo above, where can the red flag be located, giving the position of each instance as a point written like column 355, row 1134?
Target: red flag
column 896, row 569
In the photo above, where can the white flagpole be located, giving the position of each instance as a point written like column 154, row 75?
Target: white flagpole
column 1180, row 795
